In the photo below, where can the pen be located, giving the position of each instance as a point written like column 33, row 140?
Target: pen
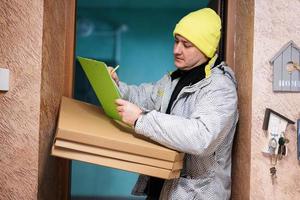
column 115, row 69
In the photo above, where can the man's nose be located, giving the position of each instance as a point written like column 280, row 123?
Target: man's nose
column 177, row 48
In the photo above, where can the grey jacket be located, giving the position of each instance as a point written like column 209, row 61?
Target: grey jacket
column 201, row 124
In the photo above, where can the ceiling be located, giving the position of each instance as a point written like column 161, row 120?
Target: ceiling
column 190, row 4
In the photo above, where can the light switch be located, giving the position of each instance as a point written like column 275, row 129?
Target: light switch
column 4, row 79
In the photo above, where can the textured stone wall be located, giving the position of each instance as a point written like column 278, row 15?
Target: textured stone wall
column 275, row 23
column 21, row 25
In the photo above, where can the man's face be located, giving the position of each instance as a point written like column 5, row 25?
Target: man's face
column 186, row 55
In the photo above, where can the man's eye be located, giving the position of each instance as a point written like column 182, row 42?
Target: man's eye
column 187, row 45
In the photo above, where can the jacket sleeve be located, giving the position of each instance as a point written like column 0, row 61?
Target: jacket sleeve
column 213, row 119
column 143, row 95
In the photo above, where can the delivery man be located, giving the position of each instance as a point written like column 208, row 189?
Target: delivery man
column 192, row 110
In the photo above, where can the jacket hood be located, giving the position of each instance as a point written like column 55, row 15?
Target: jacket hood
column 227, row 71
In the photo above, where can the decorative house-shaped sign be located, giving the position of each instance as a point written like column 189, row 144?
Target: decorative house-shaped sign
column 286, row 70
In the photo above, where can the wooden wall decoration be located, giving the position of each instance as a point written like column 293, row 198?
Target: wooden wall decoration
column 286, row 70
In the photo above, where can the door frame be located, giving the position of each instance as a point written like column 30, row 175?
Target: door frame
column 230, row 33
column 70, row 26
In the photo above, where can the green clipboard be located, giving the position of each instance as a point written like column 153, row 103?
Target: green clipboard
column 104, row 86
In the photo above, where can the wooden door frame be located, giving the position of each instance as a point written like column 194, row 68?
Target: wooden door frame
column 69, row 71
column 70, row 22
column 230, row 15
column 230, row 30
column 239, row 56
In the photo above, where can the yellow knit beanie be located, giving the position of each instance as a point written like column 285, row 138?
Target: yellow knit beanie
column 202, row 28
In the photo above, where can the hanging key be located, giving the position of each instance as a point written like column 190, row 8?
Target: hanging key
column 272, row 148
column 273, row 171
column 281, row 148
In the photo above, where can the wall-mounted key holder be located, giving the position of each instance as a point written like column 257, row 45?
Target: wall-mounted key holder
column 275, row 126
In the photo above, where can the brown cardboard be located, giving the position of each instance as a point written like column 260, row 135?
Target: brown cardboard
column 119, row 155
column 87, row 124
column 84, row 133
column 115, row 163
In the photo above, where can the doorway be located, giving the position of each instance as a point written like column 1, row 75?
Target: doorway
column 137, row 35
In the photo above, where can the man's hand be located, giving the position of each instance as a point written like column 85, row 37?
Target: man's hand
column 128, row 111
column 113, row 75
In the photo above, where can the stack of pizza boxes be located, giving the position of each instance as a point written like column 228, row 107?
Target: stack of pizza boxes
column 86, row 134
